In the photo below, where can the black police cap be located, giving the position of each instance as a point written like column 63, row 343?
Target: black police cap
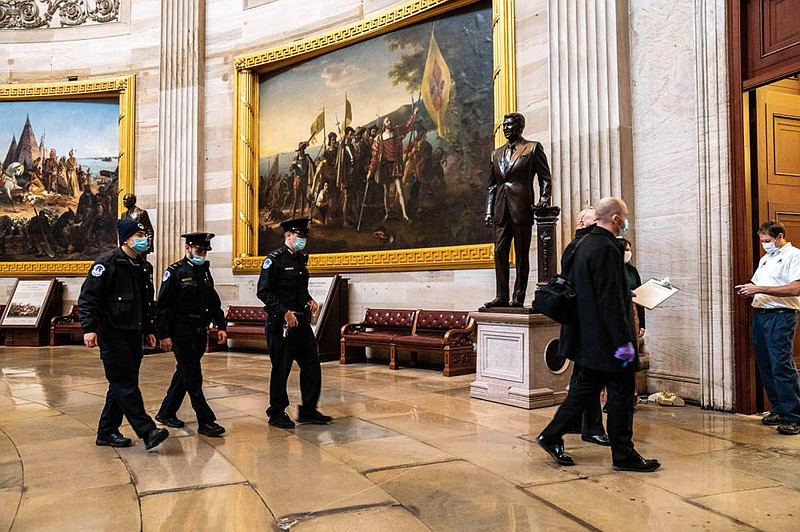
column 296, row 225
column 199, row 240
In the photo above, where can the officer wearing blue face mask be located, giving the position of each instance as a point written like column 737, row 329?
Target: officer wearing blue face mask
column 116, row 307
column 283, row 287
column 187, row 303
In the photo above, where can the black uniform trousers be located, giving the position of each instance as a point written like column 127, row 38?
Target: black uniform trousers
column 299, row 344
column 188, row 378
column 585, row 390
column 121, row 352
column 504, row 231
column 590, row 423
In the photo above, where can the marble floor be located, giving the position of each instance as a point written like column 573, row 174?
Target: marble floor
column 408, row 450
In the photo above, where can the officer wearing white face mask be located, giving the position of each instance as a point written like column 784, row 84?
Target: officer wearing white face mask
column 187, row 302
column 283, row 287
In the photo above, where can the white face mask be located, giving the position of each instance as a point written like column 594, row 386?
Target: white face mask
column 769, row 247
column 625, row 228
column 628, row 256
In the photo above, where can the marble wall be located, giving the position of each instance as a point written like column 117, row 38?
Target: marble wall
column 682, row 188
column 676, row 183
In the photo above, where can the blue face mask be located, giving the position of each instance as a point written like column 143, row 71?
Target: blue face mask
column 299, row 244
column 197, row 260
column 140, row 245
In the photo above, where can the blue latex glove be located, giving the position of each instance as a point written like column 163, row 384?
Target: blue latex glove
column 626, row 353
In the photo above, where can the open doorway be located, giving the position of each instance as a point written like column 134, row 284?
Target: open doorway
column 772, row 159
column 763, row 63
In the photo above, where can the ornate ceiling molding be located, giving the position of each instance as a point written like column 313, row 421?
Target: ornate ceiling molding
column 30, row 14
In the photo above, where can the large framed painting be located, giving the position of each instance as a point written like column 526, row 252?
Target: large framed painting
column 381, row 133
column 66, row 151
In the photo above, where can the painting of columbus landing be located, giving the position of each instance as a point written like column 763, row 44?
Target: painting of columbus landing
column 59, row 179
column 384, row 144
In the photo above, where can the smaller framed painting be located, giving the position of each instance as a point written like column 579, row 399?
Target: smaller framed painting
column 27, row 303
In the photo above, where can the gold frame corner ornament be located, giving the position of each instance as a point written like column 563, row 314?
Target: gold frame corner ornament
column 123, row 88
column 248, row 69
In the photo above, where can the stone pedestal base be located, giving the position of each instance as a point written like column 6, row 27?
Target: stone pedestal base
column 518, row 362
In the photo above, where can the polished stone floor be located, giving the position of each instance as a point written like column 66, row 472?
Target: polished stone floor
column 408, row 450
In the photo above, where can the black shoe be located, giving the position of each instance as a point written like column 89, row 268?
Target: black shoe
column 556, row 450
column 314, row 416
column 772, row 419
column 496, row 302
column 790, row 428
column 282, row 421
column 211, row 429
column 638, row 464
column 597, row 439
column 115, row 439
column 154, row 437
column 515, row 303
column 171, row 421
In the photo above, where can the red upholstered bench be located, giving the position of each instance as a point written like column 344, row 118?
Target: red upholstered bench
column 379, row 328
column 68, row 324
column 242, row 322
column 448, row 332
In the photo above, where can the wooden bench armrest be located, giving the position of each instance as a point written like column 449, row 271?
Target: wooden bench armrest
column 457, row 335
column 350, row 328
column 55, row 320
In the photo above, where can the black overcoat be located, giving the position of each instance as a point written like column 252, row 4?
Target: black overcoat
column 605, row 313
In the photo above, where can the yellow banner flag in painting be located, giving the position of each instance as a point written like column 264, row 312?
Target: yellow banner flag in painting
column 318, row 125
column 348, row 113
column 436, row 85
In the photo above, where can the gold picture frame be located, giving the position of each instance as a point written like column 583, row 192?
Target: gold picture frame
column 249, row 68
column 121, row 88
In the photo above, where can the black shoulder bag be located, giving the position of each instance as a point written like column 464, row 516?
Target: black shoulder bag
column 557, row 299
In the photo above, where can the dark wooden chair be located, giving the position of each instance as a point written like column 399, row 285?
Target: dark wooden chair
column 65, row 325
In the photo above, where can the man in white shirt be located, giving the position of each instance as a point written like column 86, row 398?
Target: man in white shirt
column 775, row 288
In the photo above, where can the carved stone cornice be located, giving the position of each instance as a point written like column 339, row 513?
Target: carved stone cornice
column 29, row 14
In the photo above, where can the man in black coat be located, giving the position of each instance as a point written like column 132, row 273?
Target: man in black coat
column 603, row 342
column 509, row 206
column 187, row 303
column 116, row 305
column 590, row 423
column 283, row 287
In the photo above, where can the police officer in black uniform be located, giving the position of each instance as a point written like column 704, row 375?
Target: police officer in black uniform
column 283, row 287
column 116, row 304
column 187, row 302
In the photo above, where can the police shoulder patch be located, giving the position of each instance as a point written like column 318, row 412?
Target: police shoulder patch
column 165, row 276
column 266, row 264
column 98, row 270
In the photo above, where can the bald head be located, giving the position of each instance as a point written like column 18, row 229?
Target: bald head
column 586, row 217
column 611, row 214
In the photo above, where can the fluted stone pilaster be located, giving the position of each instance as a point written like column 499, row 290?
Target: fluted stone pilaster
column 180, row 159
column 590, row 108
column 714, row 209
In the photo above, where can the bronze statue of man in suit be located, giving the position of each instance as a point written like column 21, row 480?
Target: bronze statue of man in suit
column 510, row 207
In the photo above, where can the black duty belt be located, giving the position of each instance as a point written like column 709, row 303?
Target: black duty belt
column 775, row 310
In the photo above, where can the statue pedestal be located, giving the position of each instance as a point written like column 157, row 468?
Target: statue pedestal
column 518, row 362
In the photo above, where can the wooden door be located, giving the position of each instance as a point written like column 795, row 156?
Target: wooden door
column 763, row 46
column 778, row 161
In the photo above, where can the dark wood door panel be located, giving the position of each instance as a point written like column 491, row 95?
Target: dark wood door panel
column 772, row 40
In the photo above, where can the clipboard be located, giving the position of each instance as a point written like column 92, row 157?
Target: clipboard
column 653, row 292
